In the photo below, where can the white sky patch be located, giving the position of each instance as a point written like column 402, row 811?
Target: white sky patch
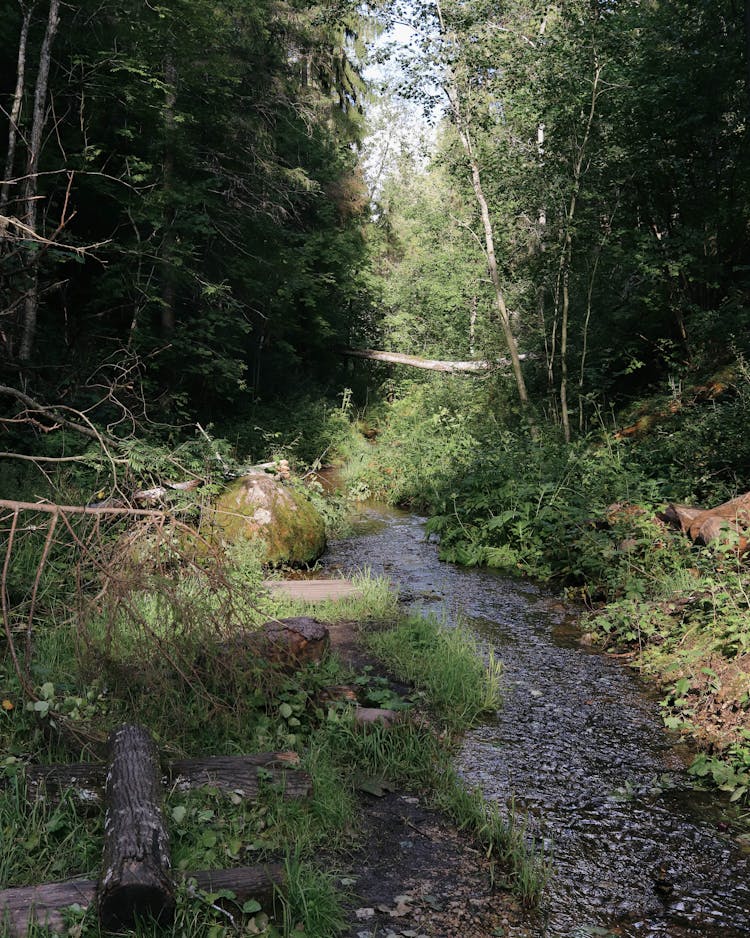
column 400, row 133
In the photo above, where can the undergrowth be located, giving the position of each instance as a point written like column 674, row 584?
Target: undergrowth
column 584, row 517
column 446, row 663
column 162, row 644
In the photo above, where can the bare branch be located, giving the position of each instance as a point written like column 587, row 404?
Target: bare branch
column 31, row 235
column 54, row 414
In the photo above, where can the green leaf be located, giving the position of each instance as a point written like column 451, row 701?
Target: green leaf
column 251, row 907
column 178, row 813
column 285, row 710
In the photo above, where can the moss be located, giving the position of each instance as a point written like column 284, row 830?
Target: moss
column 257, row 507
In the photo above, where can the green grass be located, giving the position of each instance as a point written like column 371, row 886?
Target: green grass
column 446, row 663
column 152, row 657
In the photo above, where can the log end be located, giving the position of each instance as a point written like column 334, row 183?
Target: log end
column 130, row 903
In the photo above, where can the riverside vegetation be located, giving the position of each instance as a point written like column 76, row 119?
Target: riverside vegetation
column 584, row 518
column 204, row 207
column 147, row 649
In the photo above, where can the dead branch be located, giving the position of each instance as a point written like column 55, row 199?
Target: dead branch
column 51, row 509
column 28, row 234
column 53, row 413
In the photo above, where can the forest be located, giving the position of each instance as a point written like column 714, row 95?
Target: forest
column 485, row 263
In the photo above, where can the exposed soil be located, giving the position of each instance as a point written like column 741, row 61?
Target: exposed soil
column 414, row 873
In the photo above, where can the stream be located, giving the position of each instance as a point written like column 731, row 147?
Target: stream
column 579, row 746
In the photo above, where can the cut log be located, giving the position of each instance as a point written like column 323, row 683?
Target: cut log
column 85, row 781
column 21, row 906
column 724, row 523
column 261, row 883
column 136, row 881
column 680, row 516
column 313, row 591
column 430, row 364
column 243, row 774
column 712, row 528
column 227, row 773
column 45, row 904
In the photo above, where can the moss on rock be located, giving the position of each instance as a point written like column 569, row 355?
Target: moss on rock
column 257, row 506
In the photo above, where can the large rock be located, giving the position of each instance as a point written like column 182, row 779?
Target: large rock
column 283, row 519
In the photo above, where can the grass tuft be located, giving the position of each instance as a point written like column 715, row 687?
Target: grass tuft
column 446, row 663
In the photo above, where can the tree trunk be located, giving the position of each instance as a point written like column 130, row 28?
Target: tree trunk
column 430, row 364
column 168, row 293
column 31, row 210
column 473, row 323
column 15, row 111
column 729, row 522
column 135, row 877
column 567, row 255
column 289, row 643
column 464, row 134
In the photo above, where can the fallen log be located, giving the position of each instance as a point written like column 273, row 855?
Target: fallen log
column 135, row 879
column 45, row 904
column 431, row 364
column 241, row 774
column 726, row 523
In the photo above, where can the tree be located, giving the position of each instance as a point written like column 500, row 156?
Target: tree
column 208, row 152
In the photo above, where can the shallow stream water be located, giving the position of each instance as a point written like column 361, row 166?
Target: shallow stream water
column 578, row 745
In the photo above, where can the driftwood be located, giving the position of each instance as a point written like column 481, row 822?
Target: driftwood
column 431, row 364
column 729, row 522
column 136, row 876
column 45, row 904
column 242, row 774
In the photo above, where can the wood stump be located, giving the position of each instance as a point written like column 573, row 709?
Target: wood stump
column 135, row 878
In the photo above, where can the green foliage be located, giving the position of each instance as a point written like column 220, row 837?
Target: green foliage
column 730, row 773
column 584, row 516
column 43, row 842
column 211, row 161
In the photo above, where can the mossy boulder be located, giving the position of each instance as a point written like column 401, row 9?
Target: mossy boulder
column 259, row 507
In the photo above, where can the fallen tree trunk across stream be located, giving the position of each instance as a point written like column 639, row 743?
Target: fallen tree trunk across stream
column 430, row 364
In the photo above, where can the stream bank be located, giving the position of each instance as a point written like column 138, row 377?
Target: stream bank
column 579, row 746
